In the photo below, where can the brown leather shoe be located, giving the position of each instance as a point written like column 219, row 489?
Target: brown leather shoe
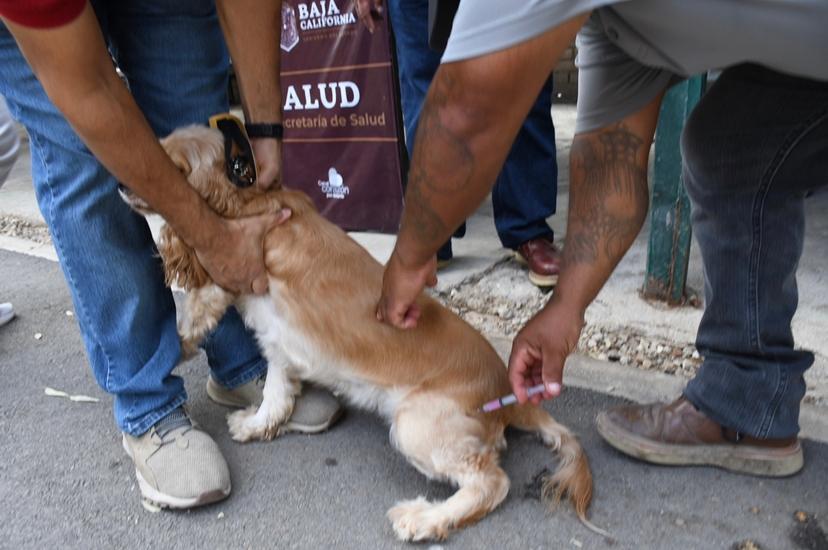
column 680, row 434
column 543, row 259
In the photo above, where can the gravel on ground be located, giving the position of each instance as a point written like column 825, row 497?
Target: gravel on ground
column 15, row 226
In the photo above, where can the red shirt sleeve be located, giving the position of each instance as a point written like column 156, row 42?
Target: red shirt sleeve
column 41, row 13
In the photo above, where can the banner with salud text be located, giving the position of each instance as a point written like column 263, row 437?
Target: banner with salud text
column 342, row 141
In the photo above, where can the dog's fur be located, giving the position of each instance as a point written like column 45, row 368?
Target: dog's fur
column 318, row 324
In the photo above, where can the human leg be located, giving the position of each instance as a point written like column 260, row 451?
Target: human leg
column 525, row 193
column 416, row 65
column 125, row 313
column 757, row 144
column 753, row 149
column 176, row 63
column 416, row 62
column 526, row 189
column 174, row 57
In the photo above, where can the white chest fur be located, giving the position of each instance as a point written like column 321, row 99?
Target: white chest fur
column 303, row 356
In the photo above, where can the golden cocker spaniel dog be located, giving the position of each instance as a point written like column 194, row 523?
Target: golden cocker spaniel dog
column 318, row 324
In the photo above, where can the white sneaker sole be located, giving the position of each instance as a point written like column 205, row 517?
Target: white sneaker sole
column 162, row 500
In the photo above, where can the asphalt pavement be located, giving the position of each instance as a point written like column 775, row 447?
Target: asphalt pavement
column 65, row 482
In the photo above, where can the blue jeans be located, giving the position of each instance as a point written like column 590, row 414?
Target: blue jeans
column 753, row 148
column 526, row 190
column 174, row 57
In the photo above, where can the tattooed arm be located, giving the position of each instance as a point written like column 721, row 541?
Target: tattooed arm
column 608, row 202
column 472, row 113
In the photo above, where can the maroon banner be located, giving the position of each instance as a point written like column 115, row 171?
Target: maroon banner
column 342, row 136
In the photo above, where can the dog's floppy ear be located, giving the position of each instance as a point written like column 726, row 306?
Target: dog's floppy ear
column 181, row 265
column 179, row 158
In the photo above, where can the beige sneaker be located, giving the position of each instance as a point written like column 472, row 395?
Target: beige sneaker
column 177, row 464
column 315, row 410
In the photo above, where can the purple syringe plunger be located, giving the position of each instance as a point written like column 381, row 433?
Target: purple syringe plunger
column 510, row 399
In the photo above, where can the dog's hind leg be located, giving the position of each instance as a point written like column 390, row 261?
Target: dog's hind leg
column 203, row 309
column 445, row 443
column 278, row 397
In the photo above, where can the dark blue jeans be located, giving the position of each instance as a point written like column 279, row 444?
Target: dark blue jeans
column 174, row 57
column 753, row 149
column 525, row 192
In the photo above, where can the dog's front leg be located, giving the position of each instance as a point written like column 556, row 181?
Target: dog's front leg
column 278, row 396
column 203, row 309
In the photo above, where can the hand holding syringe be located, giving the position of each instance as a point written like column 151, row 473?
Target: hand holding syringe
column 510, row 399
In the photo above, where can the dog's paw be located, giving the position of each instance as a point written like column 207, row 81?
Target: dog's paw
column 245, row 425
column 417, row 520
column 252, row 423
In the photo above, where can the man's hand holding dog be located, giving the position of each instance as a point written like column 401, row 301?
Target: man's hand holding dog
column 76, row 70
column 268, row 153
column 401, row 284
column 234, row 257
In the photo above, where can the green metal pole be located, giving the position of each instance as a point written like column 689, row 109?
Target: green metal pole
column 669, row 247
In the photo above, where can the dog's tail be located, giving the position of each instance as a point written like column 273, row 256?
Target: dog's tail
column 572, row 478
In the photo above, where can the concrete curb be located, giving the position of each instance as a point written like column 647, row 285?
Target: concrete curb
column 30, row 248
column 648, row 386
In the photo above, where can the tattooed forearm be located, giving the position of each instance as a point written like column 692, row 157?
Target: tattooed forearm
column 609, row 195
column 420, row 217
column 440, row 172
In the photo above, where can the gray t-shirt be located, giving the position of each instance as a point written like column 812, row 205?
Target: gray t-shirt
column 630, row 50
